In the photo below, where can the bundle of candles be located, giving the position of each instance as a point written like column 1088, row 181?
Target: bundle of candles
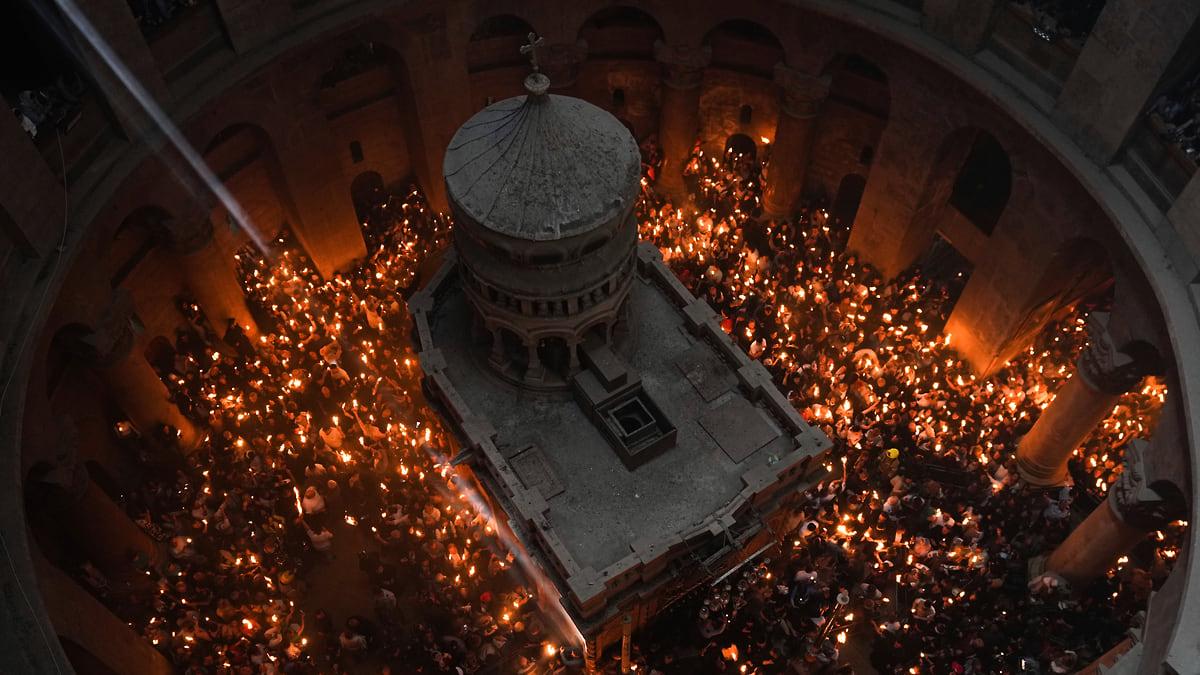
column 915, row 542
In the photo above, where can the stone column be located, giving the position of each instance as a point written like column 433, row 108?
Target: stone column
column 1130, row 50
column 573, row 366
column 535, row 372
column 1102, row 375
column 137, row 389
column 211, row 276
column 626, row 643
column 683, row 72
column 328, row 227
column 589, row 656
column 90, row 520
column 496, row 358
column 783, row 179
column 1131, row 510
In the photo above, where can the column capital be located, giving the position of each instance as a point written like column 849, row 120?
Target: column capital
column 186, row 235
column 682, row 65
column 1132, row 497
column 802, row 93
column 560, row 62
column 1102, row 365
column 111, row 338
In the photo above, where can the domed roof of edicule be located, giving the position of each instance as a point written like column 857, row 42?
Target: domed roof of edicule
column 542, row 167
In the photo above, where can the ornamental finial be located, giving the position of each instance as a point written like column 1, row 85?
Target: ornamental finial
column 531, row 49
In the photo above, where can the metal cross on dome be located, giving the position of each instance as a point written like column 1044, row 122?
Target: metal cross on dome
column 531, row 49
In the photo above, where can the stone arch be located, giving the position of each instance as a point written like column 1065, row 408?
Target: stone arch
column 496, row 43
column 137, row 235
column 244, row 157
column 620, row 32
column 744, row 46
column 860, row 82
column 853, row 117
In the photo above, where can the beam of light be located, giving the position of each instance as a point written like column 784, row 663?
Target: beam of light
column 160, row 118
column 552, row 610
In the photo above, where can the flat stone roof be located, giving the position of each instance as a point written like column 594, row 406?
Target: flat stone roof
column 597, row 506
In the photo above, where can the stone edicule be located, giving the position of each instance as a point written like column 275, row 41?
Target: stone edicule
column 605, row 529
column 543, row 190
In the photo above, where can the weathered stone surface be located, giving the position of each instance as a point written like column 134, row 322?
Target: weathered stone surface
column 542, row 167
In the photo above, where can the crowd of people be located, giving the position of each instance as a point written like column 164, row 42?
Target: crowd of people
column 914, row 549
column 316, row 432
column 154, row 14
column 1058, row 19
column 56, row 105
column 925, row 532
column 1176, row 115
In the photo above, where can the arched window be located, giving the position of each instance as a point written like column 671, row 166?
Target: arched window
column 618, row 98
column 983, row 183
column 356, row 153
column 745, row 115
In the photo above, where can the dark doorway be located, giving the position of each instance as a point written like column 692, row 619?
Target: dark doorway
column 553, row 354
column 367, row 192
column 849, row 196
column 947, row 271
column 740, row 145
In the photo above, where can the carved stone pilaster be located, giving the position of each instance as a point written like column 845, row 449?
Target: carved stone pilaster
column 1133, row 499
column 682, row 65
column 560, row 62
column 801, row 93
column 111, row 337
column 1102, row 365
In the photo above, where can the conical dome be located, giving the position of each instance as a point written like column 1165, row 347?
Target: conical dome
column 541, row 167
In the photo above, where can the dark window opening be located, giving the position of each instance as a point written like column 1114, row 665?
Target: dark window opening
column 745, row 114
column 983, row 183
column 618, row 99
column 866, row 156
column 356, row 153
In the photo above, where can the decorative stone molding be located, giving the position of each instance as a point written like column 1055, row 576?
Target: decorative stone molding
column 1131, row 497
column 682, row 65
column 1102, row 364
column 802, row 93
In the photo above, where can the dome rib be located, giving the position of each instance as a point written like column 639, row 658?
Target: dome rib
column 541, row 167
